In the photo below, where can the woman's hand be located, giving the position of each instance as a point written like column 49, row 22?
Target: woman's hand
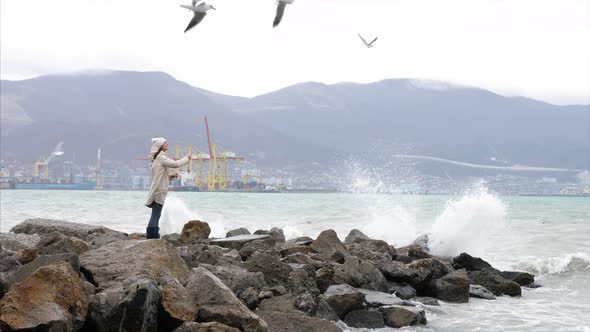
column 173, row 176
column 189, row 155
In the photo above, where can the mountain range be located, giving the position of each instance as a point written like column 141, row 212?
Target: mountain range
column 119, row 111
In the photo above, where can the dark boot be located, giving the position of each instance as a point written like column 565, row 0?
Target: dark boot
column 156, row 232
column 151, row 233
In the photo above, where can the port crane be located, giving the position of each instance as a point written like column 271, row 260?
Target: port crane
column 42, row 167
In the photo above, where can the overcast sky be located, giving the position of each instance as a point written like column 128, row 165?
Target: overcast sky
column 535, row 48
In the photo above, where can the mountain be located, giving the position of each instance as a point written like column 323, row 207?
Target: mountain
column 119, row 111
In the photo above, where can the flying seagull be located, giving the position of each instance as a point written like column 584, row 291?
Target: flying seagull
column 199, row 11
column 281, row 4
column 369, row 45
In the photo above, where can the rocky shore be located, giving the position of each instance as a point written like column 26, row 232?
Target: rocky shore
column 62, row 276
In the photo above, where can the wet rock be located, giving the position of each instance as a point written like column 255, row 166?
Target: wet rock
column 130, row 306
column 249, row 297
column 373, row 250
column 414, row 251
column 114, row 262
column 238, row 231
column 25, row 256
column 426, row 269
column 57, row 243
column 400, row 316
column 52, row 298
column 46, row 226
column 266, row 244
column 395, row 271
column 297, row 249
column 325, row 311
column 26, row 270
column 237, row 278
column 480, row 292
column 276, row 233
column 403, row 291
column 355, row 236
column 422, row 241
column 16, row 242
column 216, row 302
column 194, row 230
column 376, row 299
column 281, row 315
column 426, row 300
column 8, row 261
column 453, row 287
column 205, row 327
column 299, row 258
column 275, row 272
column 469, row 263
column 343, row 299
column 494, row 282
column 238, row 241
column 403, row 258
column 364, row 318
column 521, row 278
column 327, row 245
column 361, row 274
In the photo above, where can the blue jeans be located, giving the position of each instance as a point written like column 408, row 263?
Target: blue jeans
column 156, row 212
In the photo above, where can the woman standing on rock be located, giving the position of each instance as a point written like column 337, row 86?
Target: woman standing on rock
column 160, row 182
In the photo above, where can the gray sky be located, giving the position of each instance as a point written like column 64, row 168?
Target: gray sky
column 535, row 48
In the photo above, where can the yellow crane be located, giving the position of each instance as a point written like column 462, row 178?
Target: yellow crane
column 41, row 168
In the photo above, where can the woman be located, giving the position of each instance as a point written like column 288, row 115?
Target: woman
column 160, row 182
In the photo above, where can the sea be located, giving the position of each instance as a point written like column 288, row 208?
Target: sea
column 546, row 236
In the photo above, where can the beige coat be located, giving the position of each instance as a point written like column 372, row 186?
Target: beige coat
column 160, row 177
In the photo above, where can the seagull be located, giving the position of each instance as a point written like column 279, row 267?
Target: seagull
column 281, row 4
column 199, row 13
column 369, row 45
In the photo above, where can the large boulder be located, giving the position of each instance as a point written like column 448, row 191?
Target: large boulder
column 52, row 298
column 303, row 281
column 194, row 230
column 376, row 299
column 177, row 305
column 114, row 262
column 237, row 278
column 328, row 245
column 298, row 241
column 521, row 278
column 275, row 272
column 403, row 291
column 494, row 282
column 16, row 242
column 238, row 231
column 281, row 315
column 57, row 243
column 46, row 226
column 453, row 287
column 414, row 251
column 355, row 236
column 360, row 274
column 370, row 319
column 205, row 327
column 325, row 276
column 371, row 250
column 277, row 234
column 425, row 270
column 25, row 256
column 129, row 306
column 469, row 263
column 344, row 299
column 217, row 303
column 197, row 254
column 8, row 261
column 481, row 292
column 238, row 241
column 395, row 271
column 266, row 244
column 24, row 271
column 400, row 316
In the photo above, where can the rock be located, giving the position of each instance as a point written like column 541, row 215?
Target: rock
column 521, row 278
column 45, row 226
column 422, row 241
column 494, row 282
column 400, row 316
column 266, row 244
column 299, row 258
column 194, row 230
column 249, row 297
column 52, row 298
column 16, row 242
column 137, row 236
column 453, row 287
column 355, row 236
column 426, row 269
column 57, row 243
column 277, row 234
column 395, row 271
column 469, row 263
column 197, row 254
column 205, row 327
column 216, row 302
column 237, row 278
column 374, row 250
column 376, row 299
column 265, row 294
column 8, row 262
column 301, row 281
column 177, row 305
column 360, row 274
column 403, row 291
column 24, row 271
column 403, row 258
column 281, row 315
column 298, row 241
column 117, row 261
column 343, row 299
column 364, row 318
column 307, row 250
column 426, row 300
column 237, row 242
column 278, row 290
column 325, row 311
column 325, row 276
column 414, row 251
column 306, row 302
column 174, row 239
column 238, row 231
column 480, row 292
column 90, row 288
column 327, row 244
column 275, row 272
column 25, row 256
column 100, row 239
column 130, row 306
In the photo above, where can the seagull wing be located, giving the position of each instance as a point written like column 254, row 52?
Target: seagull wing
column 280, row 11
column 371, row 43
column 198, row 17
column 363, row 39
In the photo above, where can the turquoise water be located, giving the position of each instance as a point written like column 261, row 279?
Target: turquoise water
column 548, row 236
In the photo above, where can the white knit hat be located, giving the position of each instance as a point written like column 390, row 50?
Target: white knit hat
column 157, row 143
